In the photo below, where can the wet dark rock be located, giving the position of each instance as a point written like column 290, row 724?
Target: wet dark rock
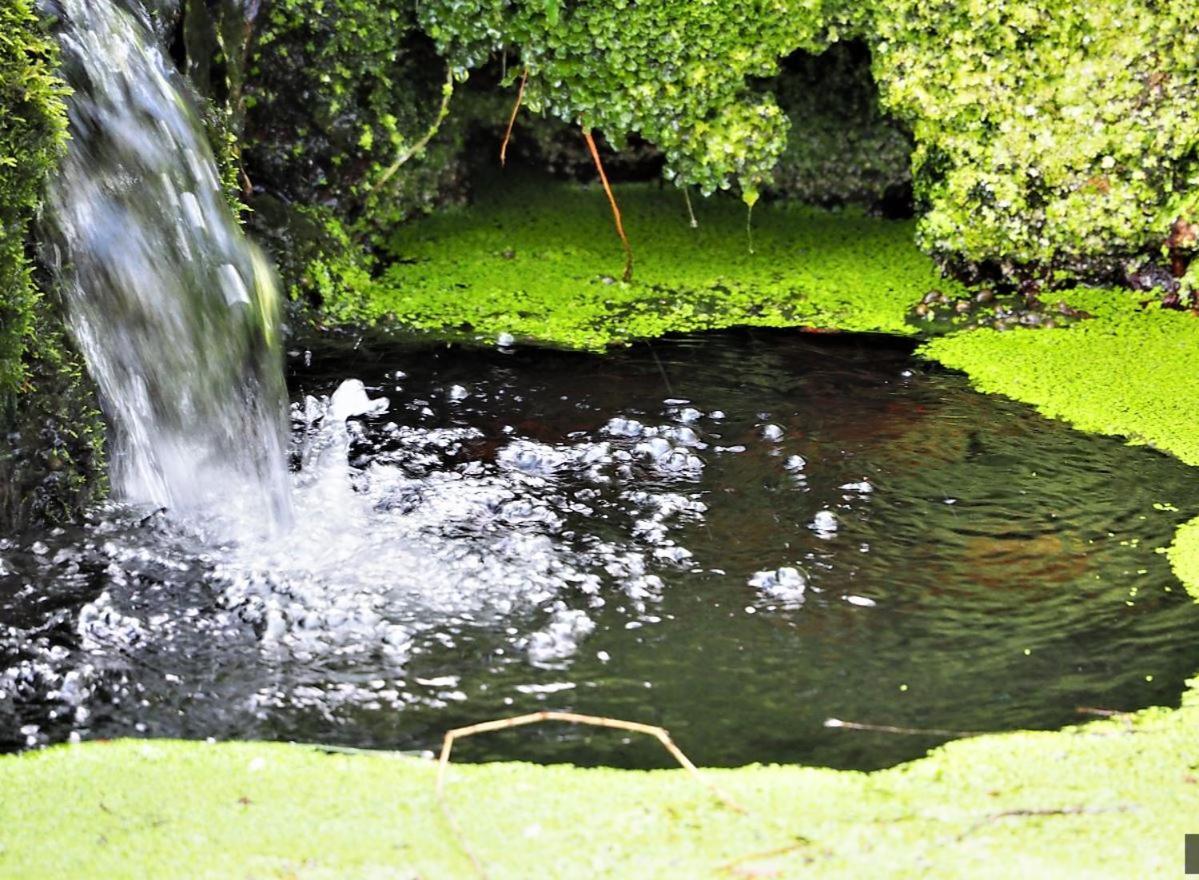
column 1152, row 276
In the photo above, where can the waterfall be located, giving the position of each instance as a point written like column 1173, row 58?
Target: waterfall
column 176, row 313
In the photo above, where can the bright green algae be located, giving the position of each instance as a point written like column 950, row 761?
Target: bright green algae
column 1184, row 555
column 542, row 261
column 1111, row 799
column 1132, row 370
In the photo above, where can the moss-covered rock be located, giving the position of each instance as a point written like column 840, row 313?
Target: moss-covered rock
column 337, row 91
column 52, row 460
column 680, row 74
column 1050, row 137
column 50, row 464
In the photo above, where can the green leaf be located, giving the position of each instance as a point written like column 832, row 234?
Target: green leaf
column 551, row 12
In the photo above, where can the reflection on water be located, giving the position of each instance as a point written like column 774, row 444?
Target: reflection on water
column 736, row 536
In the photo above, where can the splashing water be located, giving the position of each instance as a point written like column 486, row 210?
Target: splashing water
column 175, row 311
column 487, row 532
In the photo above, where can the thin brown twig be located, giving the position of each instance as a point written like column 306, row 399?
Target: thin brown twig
column 659, row 733
column 733, row 864
column 624, row 239
column 520, row 97
column 1051, row 811
column 1101, row 712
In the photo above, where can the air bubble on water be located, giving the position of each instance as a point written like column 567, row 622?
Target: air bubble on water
column 622, row 427
column 559, row 639
column 772, row 433
column 552, row 687
column 787, row 585
column 824, row 524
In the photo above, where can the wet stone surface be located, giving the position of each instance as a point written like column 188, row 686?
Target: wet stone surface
column 736, row 536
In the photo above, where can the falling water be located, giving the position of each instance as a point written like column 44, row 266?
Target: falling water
column 175, row 311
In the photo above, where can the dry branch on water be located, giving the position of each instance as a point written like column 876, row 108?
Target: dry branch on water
column 839, row 724
column 658, row 733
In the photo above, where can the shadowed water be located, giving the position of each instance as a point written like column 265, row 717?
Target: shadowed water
column 737, row 536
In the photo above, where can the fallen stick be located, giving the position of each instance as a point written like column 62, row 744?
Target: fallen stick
column 447, row 92
column 906, row 731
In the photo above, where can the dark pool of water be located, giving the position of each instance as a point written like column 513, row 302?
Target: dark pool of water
column 499, row 544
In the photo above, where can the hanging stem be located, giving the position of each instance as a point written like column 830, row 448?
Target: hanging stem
column 520, row 97
column 447, row 92
column 690, row 210
column 749, row 228
column 624, row 239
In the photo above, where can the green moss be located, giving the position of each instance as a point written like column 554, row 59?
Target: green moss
column 1130, row 371
column 32, row 131
column 1111, row 799
column 53, row 436
column 539, row 260
column 336, row 89
column 677, row 73
column 1184, row 556
column 1054, row 134
column 52, row 463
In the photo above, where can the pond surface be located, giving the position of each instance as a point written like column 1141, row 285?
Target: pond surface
column 736, row 536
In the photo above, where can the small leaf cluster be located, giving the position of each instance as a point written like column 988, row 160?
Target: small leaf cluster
column 336, row 89
column 679, row 73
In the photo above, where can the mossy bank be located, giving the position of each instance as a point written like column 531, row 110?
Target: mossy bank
column 1112, row 799
column 51, row 461
column 1043, row 143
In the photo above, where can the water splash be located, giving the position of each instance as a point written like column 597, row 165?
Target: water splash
column 175, row 311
